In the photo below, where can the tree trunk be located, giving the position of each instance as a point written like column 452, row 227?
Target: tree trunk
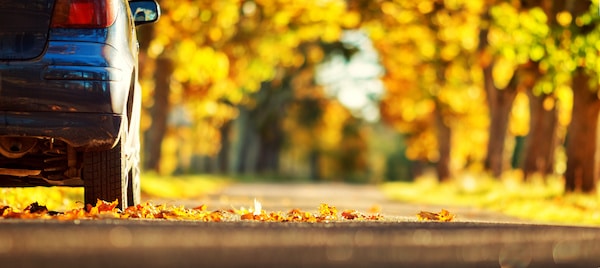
column 581, row 139
column 158, row 112
column 500, row 103
column 444, row 140
column 542, row 139
column 314, row 164
column 246, row 149
column 271, row 140
column 223, row 155
column 261, row 132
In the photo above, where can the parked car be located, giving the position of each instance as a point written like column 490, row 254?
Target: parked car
column 69, row 96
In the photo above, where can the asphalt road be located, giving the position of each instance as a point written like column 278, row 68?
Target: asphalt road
column 129, row 243
column 476, row 239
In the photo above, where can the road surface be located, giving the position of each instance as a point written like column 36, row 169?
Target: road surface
column 477, row 239
column 308, row 197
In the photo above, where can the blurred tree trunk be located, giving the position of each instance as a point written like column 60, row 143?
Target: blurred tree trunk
column 271, row 140
column 581, row 144
column 500, row 103
column 542, row 138
column 246, row 152
column 267, row 116
column 444, row 140
column 158, row 112
column 261, row 133
column 581, row 170
column 441, row 126
column 223, row 155
column 315, row 167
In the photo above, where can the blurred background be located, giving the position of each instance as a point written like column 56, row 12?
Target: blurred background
column 371, row 91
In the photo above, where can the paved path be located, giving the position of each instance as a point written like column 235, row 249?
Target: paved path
column 308, row 197
column 477, row 239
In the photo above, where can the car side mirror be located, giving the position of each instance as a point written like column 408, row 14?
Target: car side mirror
column 144, row 11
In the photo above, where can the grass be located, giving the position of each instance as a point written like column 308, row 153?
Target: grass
column 538, row 200
column 153, row 186
column 184, row 186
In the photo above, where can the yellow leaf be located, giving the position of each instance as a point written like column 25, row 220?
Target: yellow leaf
column 443, row 215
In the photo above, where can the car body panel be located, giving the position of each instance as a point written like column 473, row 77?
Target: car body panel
column 74, row 92
column 81, row 71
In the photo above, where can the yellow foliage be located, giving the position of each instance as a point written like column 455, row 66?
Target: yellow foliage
column 426, row 51
column 564, row 18
column 519, row 121
column 333, row 121
column 503, row 72
column 224, row 50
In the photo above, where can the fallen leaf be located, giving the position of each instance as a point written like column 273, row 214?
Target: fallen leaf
column 350, row 214
column 36, row 208
column 443, row 215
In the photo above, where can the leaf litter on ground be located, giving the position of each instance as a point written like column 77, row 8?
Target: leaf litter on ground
column 108, row 210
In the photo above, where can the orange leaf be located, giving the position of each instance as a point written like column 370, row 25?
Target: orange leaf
column 247, row 216
column 350, row 214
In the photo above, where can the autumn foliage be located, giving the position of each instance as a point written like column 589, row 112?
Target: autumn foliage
column 109, row 210
column 462, row 80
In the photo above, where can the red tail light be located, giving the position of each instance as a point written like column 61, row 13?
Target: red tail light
column 84, row 13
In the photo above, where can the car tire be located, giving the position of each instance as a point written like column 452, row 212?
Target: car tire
column 105, row 177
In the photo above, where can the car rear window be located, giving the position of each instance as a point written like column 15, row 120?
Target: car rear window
column 24, row 27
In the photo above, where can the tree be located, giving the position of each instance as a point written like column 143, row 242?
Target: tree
column 500, row 96
column 426, row 48
column 158, row 112
column 574, row 23
column 512, row 48
column 581, row 173
column 261, row 127
column 222, row 51
column 543, row 137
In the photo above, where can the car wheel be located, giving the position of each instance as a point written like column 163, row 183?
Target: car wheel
column 105, row 177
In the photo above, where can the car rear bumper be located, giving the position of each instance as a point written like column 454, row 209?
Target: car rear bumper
column 75, row 93
column 84, row 131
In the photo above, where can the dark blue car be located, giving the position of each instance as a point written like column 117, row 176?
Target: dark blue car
column 69, row 96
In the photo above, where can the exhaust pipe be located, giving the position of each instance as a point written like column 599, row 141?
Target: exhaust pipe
column 16, row 147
